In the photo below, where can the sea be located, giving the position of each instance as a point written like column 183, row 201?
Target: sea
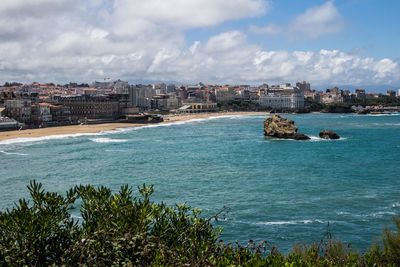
column 284, row 192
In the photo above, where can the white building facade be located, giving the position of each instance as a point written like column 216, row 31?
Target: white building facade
column 273, row 100
column 282, row 97
column 140, row 96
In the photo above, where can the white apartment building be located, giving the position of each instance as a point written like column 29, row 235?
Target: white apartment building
column 282, row 97
column 289, row 101
column 140, row 96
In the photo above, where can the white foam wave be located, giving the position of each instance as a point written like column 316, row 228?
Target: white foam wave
column 45, row 138
column 64, row 136
column 117, row 131
column 13, row 153
column 343, row 213
column 290, row 222
column 383, row 114
column 234, row 117
column 386, row 124
column 382, row 214
column 167, row 124
column 319, row 139
column 378, row 214
column 396, row 205
column 118, row 150
column 108, row 140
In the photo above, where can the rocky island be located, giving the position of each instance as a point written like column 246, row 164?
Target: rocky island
column 279, row 127
column 328, row 134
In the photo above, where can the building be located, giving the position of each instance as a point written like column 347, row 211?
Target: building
column 90, row 107
column 159, row 89
column 198, row 108
column 171, row 88
column 332, row 95
column 60, row 114
column 226, row 94
column 314, row 96
column 7, row 95
column 303, row 86
column 120, row 87
column 391, row 93
column 165, row 102
column 282, row 97
column 140, row 96
column 282, row 101
column 7, row 124
column 331, row 98
column 41, row 114
column 360, row 93
column 19, row 109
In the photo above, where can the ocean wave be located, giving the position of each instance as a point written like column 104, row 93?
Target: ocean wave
column 13, row 153
column 381, row 214
column 319, row 139
column 174, row 123
column 235, row 117
column 108, row 140
column 45, row 138
column 165, row 124
column 118, row 150
column 384, row 114
column 343, row 213
column 386, row 124
column 396, row 205
column 290, row 222
column 117, row 130
column 378, row 214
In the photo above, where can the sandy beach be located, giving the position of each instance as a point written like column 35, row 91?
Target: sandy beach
column 96, row 128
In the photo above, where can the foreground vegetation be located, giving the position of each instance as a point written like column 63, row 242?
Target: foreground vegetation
column 120, row 229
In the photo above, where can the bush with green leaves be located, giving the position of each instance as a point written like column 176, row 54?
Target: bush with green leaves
column 114, row 229
column 91, row 226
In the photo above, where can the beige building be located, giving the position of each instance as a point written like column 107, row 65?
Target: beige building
column 198, row 107
column 99, row 107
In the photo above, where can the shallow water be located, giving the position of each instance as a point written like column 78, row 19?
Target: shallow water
column 281, row 191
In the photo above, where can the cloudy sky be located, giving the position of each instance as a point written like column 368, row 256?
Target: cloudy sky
column 214, row 41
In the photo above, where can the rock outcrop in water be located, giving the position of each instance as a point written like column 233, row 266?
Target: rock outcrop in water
column 279, row 127
column 328, row 134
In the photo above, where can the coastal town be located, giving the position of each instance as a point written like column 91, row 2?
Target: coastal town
column 37, row 105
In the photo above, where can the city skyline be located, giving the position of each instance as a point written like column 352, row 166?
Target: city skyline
column 241, row 41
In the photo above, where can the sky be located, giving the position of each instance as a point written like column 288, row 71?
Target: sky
column 325, row 42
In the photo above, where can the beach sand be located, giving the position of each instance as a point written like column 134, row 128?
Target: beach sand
column 96, row 128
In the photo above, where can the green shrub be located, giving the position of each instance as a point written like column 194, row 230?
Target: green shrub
column 115, row 229
column 121, row 229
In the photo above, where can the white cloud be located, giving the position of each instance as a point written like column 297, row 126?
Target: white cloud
column 313, row 23
column 385, row 67
column 133, row 18
column 318, row 21
column 188, row 14
column 225, row 41
column 133, row 40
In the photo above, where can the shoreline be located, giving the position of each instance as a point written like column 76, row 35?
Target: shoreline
column 98, row 128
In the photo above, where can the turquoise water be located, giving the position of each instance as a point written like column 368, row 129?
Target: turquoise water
column 281, row 191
